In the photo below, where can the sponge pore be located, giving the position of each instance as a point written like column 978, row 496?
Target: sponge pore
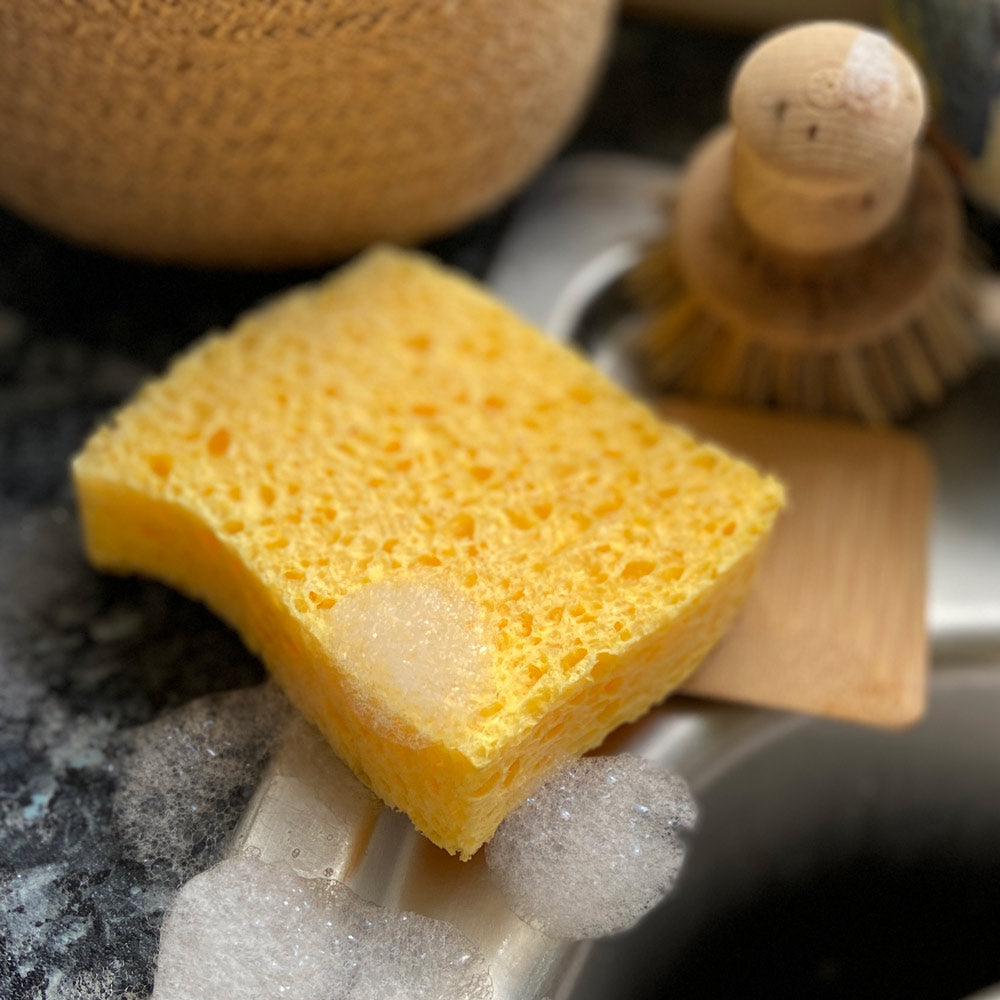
column 463, row 552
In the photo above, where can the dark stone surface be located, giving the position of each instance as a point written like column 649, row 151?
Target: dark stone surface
column 83, row 657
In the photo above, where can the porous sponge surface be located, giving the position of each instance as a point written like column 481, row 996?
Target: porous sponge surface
column 465, row 554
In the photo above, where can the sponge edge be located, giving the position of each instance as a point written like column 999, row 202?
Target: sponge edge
column 464, row 554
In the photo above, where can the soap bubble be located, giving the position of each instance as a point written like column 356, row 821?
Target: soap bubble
column 416, row 644
column 247, row 930
column 104, row 984
column 595, row 848
column 184, row 779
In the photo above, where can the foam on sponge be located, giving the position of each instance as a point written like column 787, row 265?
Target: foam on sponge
column 463, row 552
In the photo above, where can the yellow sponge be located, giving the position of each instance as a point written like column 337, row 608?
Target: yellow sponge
column 464, row 554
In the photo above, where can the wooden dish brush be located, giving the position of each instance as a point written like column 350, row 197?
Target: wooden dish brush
column 816, row 256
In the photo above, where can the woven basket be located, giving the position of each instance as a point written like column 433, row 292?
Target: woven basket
column 278, row 132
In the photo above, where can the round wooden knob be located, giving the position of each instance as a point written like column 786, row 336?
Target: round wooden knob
column 827, row 116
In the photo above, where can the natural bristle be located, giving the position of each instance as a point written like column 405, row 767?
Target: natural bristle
column 872, row 336
column 684, row 347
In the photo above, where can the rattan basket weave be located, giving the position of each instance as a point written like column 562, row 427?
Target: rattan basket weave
column 275, row 132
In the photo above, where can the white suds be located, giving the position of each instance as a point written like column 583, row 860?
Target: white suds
column 595, row 848
column 416, row 644
column 245, row 930
column 101, row 985
column 184, row 778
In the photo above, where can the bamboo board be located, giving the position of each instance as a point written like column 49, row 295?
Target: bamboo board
column 835, row 625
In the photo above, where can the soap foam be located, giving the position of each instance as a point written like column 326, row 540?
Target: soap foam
column 184, row 779
column 420, row 643
column 101, row 985
column 595, row 848
column 244, row 930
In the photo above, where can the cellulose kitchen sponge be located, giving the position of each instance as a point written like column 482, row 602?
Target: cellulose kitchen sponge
column 464, row 554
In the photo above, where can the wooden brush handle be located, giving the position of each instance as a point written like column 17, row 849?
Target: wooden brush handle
column 827, row 116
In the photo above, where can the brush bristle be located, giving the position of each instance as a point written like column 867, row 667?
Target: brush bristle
column 684, row 346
